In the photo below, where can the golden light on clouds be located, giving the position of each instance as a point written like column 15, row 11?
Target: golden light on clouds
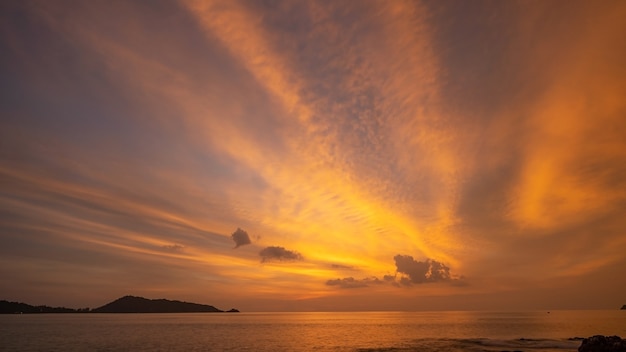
column 484, row 141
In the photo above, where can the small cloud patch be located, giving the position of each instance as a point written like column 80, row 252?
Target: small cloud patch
column 421, row 272
column 240, row 237
column 350, row 282
column 276, row 253
column 409, row 272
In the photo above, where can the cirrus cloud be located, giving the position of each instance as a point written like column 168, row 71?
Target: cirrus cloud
column 350, row 282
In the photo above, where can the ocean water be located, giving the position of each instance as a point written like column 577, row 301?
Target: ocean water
column 354, row 331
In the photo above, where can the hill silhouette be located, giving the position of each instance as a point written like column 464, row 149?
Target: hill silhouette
column 126, row 304
column 133, row 304
column 7, row 307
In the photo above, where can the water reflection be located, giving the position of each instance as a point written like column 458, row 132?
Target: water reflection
column 424, row 331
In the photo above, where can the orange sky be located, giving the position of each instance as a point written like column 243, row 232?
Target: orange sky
column 376, row 155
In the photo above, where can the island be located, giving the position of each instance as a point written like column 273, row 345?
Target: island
column 126, row 304
column 133, row 304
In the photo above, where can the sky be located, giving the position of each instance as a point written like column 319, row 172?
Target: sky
column 314, row 155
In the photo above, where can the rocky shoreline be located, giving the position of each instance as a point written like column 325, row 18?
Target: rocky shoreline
column 600, row 343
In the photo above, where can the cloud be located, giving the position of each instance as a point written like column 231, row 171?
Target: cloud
column 275, row 253
column 408, row 272
column 421, row 272
column 173, row 247
column 389, row 278
column 341, row 266
column 350, row 282
column 240, row 237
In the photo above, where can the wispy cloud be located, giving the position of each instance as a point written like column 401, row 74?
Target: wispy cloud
column 350, row 131
column 350, row 282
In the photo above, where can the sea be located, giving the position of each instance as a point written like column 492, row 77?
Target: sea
column 337, row 331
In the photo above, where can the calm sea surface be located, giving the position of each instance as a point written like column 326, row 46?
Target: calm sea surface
column 363, row 331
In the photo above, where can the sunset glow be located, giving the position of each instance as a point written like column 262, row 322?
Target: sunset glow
column 375, row 155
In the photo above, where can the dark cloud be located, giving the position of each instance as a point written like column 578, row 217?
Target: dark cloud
column 421, row 272
column 240, row 237
column 275, row 253
column 408, row 272
column 389, row 278
column 350, row 282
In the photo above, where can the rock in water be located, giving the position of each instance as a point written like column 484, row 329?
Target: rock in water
column 601, row 343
